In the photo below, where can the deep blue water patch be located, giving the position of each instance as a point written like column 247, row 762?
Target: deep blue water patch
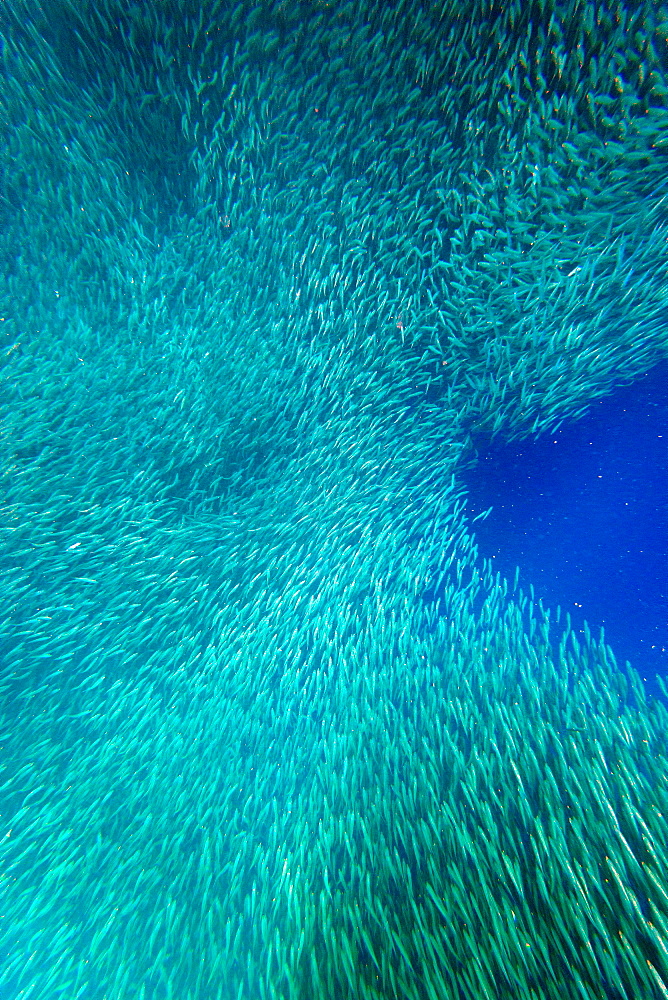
column 583, row 513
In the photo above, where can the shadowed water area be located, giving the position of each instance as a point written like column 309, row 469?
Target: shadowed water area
column 277, row 721
column 583, row 513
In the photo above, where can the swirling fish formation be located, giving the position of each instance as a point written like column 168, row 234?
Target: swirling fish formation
column 270, row 726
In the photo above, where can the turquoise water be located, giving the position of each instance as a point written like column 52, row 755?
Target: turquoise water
column 277, row 720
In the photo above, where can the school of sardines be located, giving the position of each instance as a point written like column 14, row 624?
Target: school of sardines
column 271, row 728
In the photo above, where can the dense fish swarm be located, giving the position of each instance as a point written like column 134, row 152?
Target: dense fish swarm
column 270, row 727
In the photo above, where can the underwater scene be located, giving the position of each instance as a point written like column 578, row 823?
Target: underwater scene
column 334, row 500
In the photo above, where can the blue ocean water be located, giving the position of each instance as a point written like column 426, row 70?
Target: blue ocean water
column 583, row 513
